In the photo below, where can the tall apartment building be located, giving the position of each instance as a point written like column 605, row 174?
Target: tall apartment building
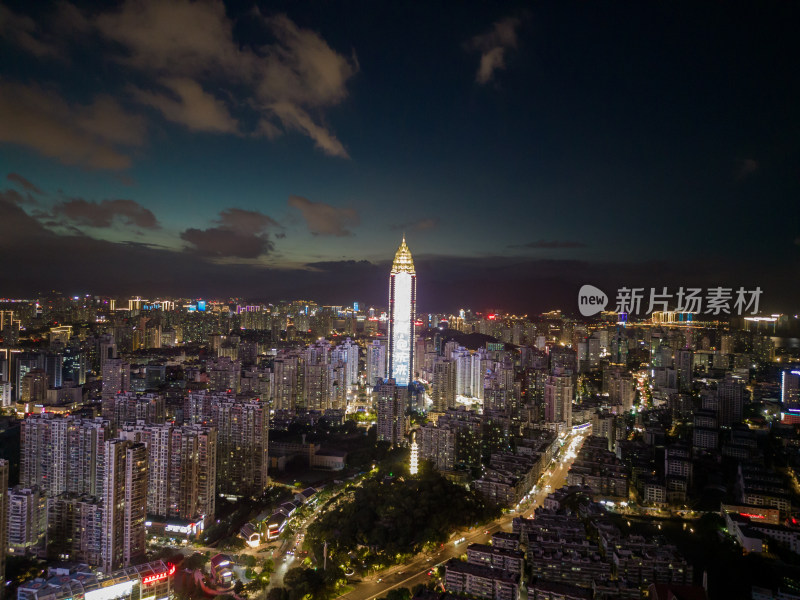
column 182, row 471
column 683, row 363
column 391, row 400
column 75, row 528
column 621, row 391
column 124, row 504
column 346, row 354
column 3, row 522
column 467, row 428
column 256, row 381
column 790, row 389
column 33, row 388
column 376, row 362
column 318, row 378
column 224, row 374
column 129, row 407
column 731, row 394
column 443, row 388
column 63, row 454
column 438, row 445
column 287, row 381
column 116, row 378
column 558, row 395
column 242, row 426
column 27, row 520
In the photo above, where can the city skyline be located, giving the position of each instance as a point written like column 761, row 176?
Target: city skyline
column 133, row 428
column 584, row 382
column 269, row 153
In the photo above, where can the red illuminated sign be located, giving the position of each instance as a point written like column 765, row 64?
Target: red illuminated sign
column 159, row 576
column 751, row 516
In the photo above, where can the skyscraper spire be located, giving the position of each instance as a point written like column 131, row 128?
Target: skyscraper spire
column 403, row 263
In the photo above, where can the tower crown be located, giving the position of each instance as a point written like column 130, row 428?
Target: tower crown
column 403, row 263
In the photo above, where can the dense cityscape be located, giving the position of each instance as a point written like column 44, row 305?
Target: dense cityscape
column 399, row 300
column 203, row 447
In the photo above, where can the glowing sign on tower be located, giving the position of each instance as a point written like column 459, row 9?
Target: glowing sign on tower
column 402, row 312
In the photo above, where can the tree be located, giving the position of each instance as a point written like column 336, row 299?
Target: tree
column 302, row 582
column 195, row 561
column 278, row 593
column 248, row 560
column 233, row 543
column 268, row 566
column 385, row 516
column 398, row 594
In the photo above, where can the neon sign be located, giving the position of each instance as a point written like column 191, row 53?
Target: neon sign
column 752, row 516
column 159, row 576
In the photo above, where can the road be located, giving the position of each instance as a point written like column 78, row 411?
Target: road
column 410, row 574
column 285, row 561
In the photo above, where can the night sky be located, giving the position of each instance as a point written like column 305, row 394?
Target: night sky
column 280, row 150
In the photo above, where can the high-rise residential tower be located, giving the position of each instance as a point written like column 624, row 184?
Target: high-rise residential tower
column 242, row 426
column 402, row 312
column 558, row 394
column 391, row 412
column 182, row 469
column 124, row 504
column 3, row 522
column 376, row 362
column 731, row 393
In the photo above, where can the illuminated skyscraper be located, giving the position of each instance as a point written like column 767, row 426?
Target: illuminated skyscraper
column 402, row 311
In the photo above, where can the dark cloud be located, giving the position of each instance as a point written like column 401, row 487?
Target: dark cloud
column 549, row 244
column 14, row 197
column 238, row 234
column 288, row 82
column 187, row 103
column 23, row 32
column 746, row 167
column 26, row 185
column 96, row 135
column 338, row 265
column 421, row 225
column 105, row 213
column 325, row 219
column 493, row 46
column 196, row 76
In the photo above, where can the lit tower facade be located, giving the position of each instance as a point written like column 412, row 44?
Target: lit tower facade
column 402, row 312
